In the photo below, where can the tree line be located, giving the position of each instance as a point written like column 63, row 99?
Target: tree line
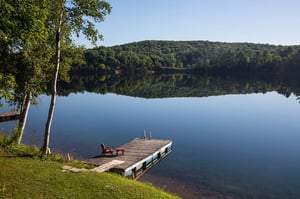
column 36, row 47
column 191, row 56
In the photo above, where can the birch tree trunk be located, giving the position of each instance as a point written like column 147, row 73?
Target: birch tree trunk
column 46, row 148
column 23, row 118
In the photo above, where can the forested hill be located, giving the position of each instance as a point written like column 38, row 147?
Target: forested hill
column 194, row 56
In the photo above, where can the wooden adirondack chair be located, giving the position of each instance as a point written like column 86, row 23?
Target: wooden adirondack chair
column 106, row 150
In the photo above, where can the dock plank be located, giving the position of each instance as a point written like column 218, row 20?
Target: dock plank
column 107, row 166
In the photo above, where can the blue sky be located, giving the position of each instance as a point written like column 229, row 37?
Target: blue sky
column 257, row 21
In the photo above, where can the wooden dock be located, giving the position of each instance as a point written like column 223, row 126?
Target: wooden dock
column 7, row 116
column 140, row 155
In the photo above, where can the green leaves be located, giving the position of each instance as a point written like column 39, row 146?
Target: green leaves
column 81, row 16
column 28, row 39
column 24, row 36
column 7, row 84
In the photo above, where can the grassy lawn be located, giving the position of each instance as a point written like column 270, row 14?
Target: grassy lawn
column 34, row 177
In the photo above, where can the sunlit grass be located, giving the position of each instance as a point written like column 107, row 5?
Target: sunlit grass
column 36, row 176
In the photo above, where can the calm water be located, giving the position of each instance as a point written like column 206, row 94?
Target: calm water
column 238, row 145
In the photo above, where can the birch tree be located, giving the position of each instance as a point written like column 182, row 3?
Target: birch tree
column 24, row 53
column 68, row 17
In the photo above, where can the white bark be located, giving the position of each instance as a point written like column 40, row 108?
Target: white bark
column 46, row 149
column 23, row 118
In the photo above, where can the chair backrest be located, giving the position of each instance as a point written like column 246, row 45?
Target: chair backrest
column 103, row 147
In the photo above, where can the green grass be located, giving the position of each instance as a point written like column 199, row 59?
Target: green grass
column 32, row 176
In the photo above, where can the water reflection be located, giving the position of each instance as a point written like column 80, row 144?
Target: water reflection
column 180, row 85
column 226, row 144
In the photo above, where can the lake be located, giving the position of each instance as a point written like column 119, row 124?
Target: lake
column 233, row 138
